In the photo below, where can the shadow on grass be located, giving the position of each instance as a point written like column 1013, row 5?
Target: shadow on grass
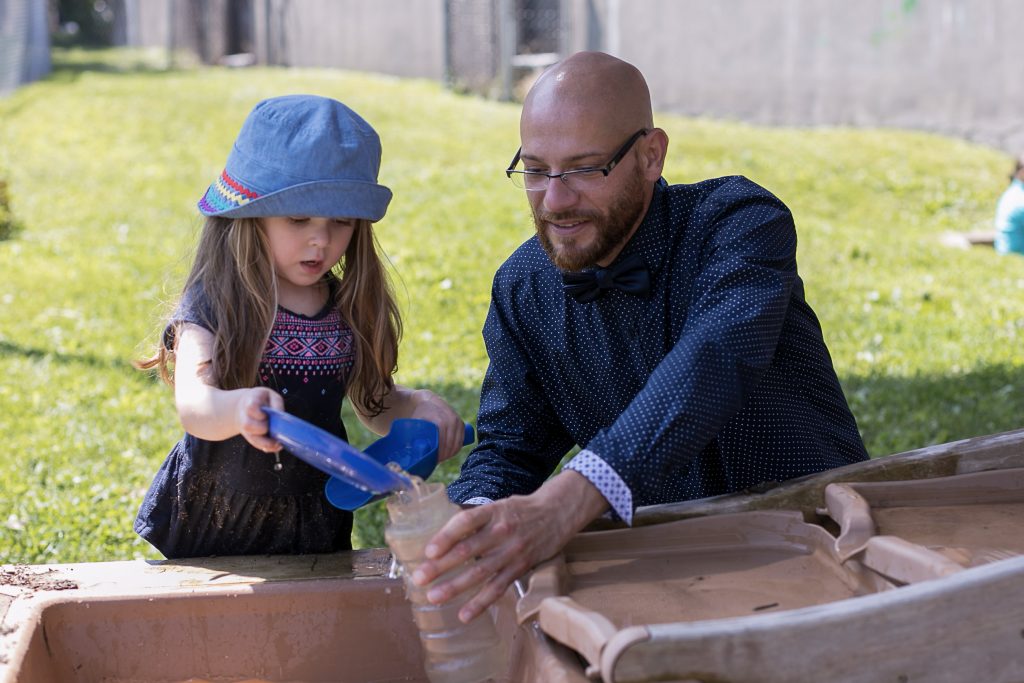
column 9, row 225
column 69, row 64
column 72, row 70
column 897, row 414
column 68, row 73
column 9, row 229
column 10, row 349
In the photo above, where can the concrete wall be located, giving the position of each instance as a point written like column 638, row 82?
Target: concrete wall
column 398, row 37
column 24, row 43
column 950, row 66
column 147, row 23
column 195, row 26
column 474, row 42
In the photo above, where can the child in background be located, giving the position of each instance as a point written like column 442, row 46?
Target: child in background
column 1009, row 221
column 287, row 305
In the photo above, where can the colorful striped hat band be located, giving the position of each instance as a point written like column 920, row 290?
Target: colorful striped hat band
column 301, row 155
column 225, row 194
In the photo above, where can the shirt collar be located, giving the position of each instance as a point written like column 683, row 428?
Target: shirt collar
column 651, row 240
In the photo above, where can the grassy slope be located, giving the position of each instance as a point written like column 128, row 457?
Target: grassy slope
column 105, row 166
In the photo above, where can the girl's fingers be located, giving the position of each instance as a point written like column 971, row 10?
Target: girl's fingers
column 255, row 425
column 263, row 443
column 452, row 442
column 276, row 400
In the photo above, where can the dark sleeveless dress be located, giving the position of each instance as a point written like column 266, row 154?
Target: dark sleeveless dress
column 225, row 497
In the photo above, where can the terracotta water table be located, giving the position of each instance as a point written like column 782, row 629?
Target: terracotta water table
column 906, row 568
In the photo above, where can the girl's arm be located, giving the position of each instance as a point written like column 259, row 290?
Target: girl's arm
column 209, row 412
column 422, row 404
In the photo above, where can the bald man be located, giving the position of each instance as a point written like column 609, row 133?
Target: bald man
column 661, row 328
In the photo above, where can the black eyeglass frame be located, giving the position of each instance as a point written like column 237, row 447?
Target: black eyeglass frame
column 605, row 170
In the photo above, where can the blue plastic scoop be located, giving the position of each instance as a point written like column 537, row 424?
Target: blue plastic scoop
column 410, row 443
column 358, row 477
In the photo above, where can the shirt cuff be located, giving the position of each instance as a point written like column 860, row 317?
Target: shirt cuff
column 478, row 500
column 606, row 480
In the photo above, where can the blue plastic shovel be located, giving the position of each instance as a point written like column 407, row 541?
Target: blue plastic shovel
column 358, row 477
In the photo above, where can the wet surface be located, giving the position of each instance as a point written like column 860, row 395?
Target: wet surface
column 35, row 578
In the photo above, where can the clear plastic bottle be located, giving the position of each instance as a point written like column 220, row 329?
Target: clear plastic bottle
column 453, row 652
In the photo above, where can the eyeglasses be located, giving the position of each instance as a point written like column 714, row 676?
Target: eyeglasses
column 579, row 180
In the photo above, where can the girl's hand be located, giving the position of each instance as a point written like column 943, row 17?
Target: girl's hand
column 421, row 404
column 430, row 406
column 252, row 421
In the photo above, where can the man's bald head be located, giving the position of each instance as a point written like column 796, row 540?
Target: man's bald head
column 591, row 86
column 583, row 114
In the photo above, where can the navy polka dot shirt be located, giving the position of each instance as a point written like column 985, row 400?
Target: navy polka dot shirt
column 716, row 380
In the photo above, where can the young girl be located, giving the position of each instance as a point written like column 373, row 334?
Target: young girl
column 289, row 306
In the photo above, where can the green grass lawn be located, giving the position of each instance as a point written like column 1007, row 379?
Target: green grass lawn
column 106, row 159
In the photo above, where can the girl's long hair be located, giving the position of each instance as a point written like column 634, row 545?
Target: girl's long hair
column 234, row 269
column 366, row 301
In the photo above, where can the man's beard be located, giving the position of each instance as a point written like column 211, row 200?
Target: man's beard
column 611, row 229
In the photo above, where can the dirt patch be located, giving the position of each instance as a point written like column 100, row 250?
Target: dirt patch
column 24, row 576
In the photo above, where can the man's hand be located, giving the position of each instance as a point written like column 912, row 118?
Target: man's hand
column 507, row 537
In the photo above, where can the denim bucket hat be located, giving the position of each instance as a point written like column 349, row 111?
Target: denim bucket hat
column 301, row 155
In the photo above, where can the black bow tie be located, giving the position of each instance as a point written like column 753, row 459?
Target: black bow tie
column 630, row 275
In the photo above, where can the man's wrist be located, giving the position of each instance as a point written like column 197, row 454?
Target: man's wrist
column 607, row 481
column 580, row 501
